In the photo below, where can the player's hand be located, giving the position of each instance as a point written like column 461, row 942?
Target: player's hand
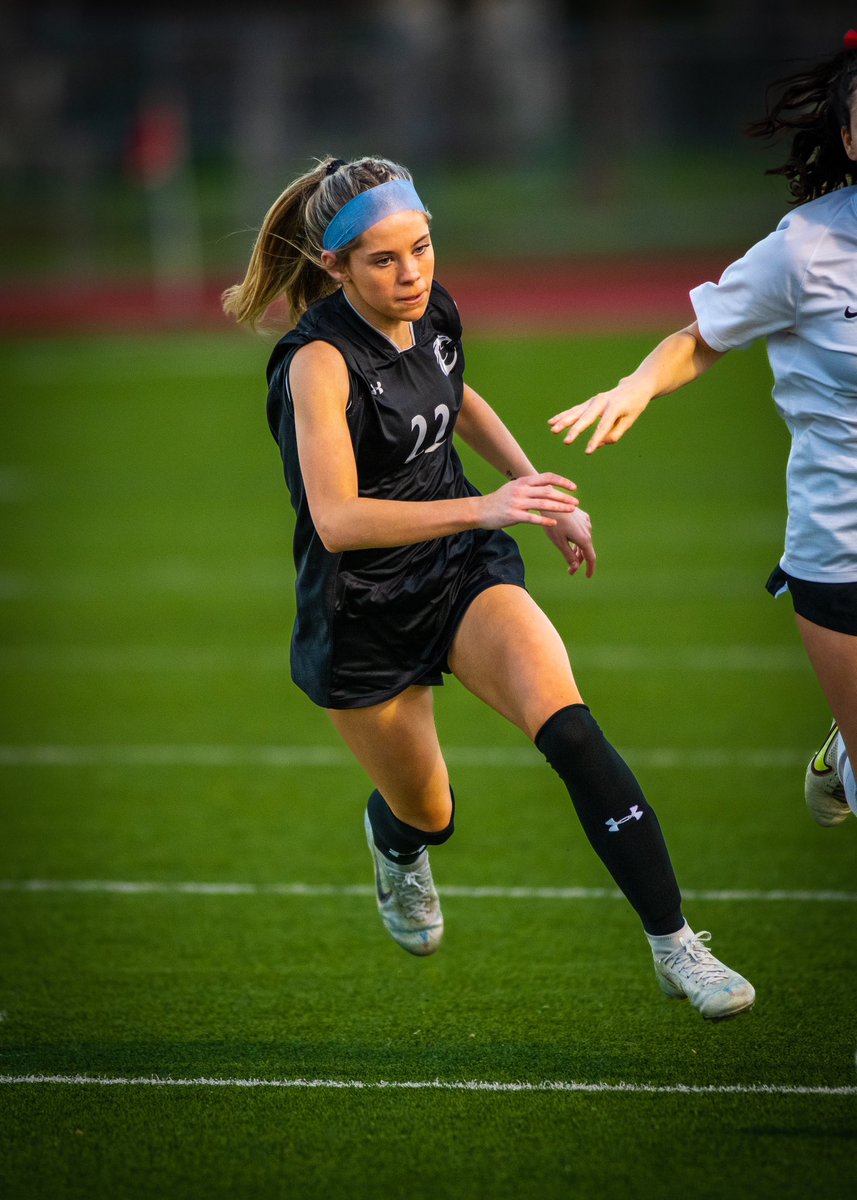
column 572, row 536
column 613, row 413
column 527, row 500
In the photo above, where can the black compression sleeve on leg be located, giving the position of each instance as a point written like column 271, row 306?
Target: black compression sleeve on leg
column 396, row 839
column 616, row 817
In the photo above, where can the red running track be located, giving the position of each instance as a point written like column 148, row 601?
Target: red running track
column 589, row 295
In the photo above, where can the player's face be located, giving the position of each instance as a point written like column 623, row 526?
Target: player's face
column 388, row 275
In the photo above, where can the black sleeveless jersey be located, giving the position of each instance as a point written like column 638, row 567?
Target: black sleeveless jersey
column 371, row 622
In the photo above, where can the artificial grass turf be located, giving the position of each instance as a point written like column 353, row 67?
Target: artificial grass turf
column 207, row 1143
column 229, row 988
column 234, row 986
column 146, row 603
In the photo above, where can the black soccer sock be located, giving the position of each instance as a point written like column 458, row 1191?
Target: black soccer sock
column 616, row 817
column 398, row 841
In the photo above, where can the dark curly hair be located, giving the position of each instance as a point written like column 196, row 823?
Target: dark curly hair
column 814, row 105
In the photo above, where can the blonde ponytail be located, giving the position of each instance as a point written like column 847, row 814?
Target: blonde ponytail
column 286, row 258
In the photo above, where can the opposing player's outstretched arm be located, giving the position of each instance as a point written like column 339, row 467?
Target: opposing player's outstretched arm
column 485, row 433
column 677, row 360
column 345, row 520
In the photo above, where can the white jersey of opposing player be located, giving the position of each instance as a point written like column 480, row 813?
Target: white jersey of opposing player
column 798, row 289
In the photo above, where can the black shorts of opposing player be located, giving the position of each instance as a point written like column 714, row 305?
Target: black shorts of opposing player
column 615, row 815
column 830, row 605
column 398, row 841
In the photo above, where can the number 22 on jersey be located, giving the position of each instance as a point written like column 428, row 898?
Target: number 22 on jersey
column 420, row 424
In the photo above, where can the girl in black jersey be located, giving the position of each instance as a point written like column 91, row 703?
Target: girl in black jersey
column 403, row 569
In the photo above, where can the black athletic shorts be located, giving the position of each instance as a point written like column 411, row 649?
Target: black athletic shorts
column 377, row 650
column 831, row 605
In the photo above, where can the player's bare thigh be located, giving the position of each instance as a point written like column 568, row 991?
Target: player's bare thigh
column 507, row 652
column 396, row 743
column 834, row 659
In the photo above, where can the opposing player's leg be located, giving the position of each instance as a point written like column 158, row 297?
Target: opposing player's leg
column 508, row 653
column 410, row 809
column 831, row 792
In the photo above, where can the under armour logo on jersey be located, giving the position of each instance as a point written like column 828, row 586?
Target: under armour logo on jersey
column 376, row 389
column 446, row 358
column 634, row 814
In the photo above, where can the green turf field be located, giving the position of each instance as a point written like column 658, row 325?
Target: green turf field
column 198, row 999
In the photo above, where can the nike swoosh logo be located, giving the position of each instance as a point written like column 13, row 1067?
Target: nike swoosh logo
column 850, row 313
column 383, row 896
column 820, row 765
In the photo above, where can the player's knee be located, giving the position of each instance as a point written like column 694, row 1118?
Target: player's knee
column 567, row 734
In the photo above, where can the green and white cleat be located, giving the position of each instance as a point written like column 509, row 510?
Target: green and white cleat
column 823, row 790
column 407, row 900
column 693, row 973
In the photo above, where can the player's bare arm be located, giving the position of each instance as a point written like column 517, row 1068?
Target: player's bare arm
column 483, row 430
column 345, row 520
column 677, row 360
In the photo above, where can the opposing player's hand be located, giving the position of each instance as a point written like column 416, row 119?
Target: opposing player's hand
column 572, row 536
column 527, row 500
column 613, row 413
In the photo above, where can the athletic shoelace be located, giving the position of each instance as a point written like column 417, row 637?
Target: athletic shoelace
column 415, row 893
column 695, row 961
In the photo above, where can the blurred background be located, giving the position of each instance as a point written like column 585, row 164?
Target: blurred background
column 140, row 147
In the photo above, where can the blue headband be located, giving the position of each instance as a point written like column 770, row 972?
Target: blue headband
column 367, row 209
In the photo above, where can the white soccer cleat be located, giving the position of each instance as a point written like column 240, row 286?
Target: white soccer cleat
column 825, row 795
column 693, row 973
column 407, row 900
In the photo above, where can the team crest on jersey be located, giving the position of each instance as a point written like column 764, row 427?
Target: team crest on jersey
column 445, row 353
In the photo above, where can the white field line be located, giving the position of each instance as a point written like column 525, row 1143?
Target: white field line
column 196, row 888
column 101, row 659
column 663, row 757
column 440, row 1085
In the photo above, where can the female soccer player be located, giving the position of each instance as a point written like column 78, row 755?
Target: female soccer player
column 403, row 569
column 798, row 289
